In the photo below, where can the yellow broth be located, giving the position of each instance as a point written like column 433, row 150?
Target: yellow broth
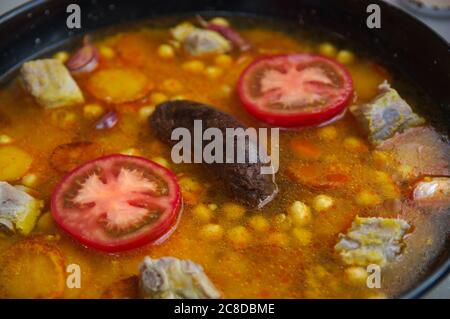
column 279, row 261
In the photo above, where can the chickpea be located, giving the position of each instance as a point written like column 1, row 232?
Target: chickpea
column 161, row 161
column 29, row 180
column 212, row 206
column 328, row 133
column 387, row 185
column 202, row 213
column 5, row 139
column 175, row 44
column 194, row 66
column 345, row 57
column 46, row 223
column 380, row 158
column 63, row 119
column 213, row 72
column 212, row 232
column 172, row 86
column 191, row 190
column 381, row 177
column 354, row 144
column 93, row 111
column 302, row 236
column 189, row 184
column 178, row 97
column 165, row 51
column 62, row 56
column 327, row 49
column 239, row 237
column 259, row 223
column 356, row 275
column 299, row 213
column 158, row 97
column 233, row 211
column 322, row 203
column 320, row 272
column 68, row 120
column 225, row 90
column 367, row 198
column 145, row 112
column 106, row 52
column 278, row 239
column 282, row 222
column 223, row 60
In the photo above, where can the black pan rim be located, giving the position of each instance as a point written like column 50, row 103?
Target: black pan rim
column 423, row 286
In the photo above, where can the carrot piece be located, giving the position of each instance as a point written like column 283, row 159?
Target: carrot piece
column 305, row 149
column 317, row 176
column 32, row 268
column 119, row 85
column 367, row 78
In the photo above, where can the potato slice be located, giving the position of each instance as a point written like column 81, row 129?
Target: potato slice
column 32, row 269
column 119, row 85
column 14, row 163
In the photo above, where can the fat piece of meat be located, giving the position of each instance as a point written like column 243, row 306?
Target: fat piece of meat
column 50, row 83
column 198, row 41
column 419, row 151
column 385, row 115
column 244, row 180
column 372, row 241
column 432, row 191
column 172, row 278
column 18, row 210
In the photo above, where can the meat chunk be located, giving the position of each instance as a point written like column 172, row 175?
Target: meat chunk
column 32, row 268
column 372, row 241
column 387, row 114
column 244, row 180
column 432, row 191
column 419, row 151
column 182, row 31
column 50, row 83
column 198, row 41
column 201, row 42
column 18, row 210
column 172, row 278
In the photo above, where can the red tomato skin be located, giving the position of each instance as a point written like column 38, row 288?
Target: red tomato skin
column 300, row 119
column 151, row 237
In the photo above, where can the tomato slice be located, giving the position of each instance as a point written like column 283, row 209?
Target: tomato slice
column 295, row 89
column 117, row 202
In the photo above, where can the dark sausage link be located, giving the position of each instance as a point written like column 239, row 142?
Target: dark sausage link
column 244, row 180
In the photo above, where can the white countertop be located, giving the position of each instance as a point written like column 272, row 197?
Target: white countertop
column 440, row 25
